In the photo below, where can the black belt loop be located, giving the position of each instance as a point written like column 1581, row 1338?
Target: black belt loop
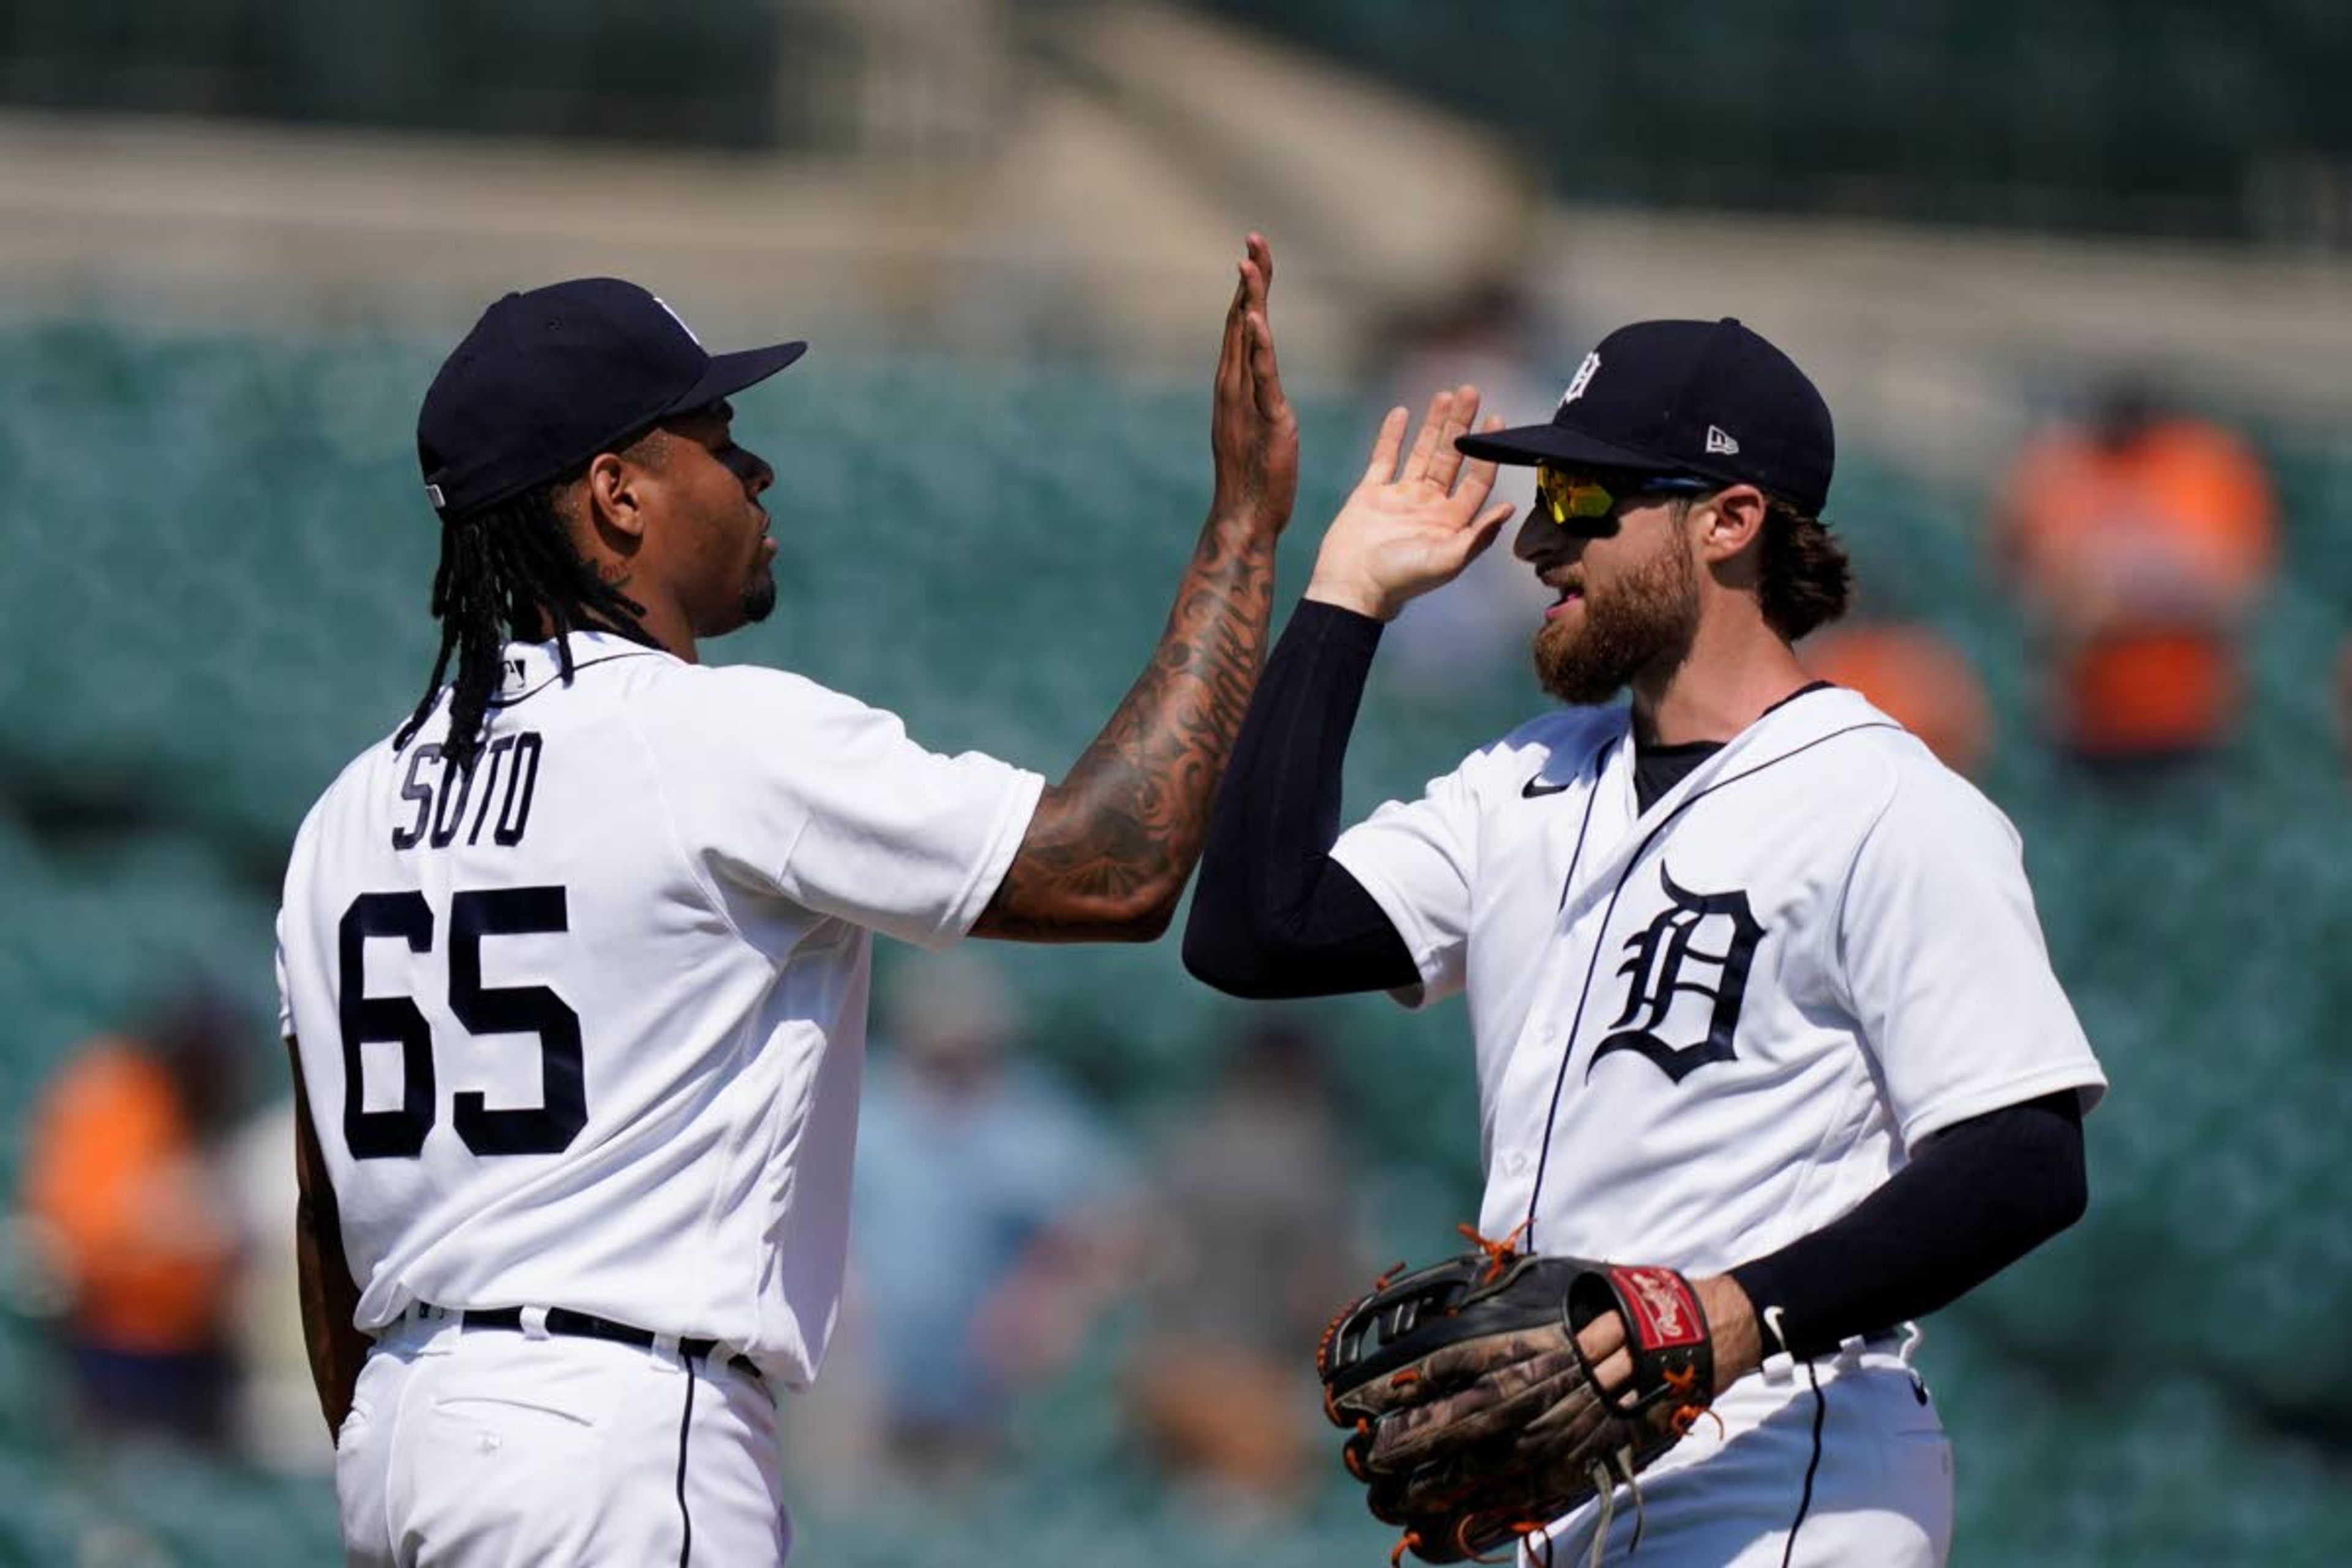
column 563, row 1321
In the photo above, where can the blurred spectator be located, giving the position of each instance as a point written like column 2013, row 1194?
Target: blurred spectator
column 983, row 1210
column 1917, row 678
column 1251, row 1237
column 123, row 1207
column 2139, row 539
column 276, row 1407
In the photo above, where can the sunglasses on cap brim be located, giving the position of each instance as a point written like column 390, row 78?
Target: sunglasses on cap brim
column 1572, row 496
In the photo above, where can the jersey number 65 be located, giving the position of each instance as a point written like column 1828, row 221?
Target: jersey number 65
column 547, row 1127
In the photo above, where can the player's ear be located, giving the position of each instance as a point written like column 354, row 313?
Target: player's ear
column 612, row 496
column 1729, row 521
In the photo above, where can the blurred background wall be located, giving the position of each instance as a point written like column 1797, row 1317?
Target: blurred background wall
column 2073, row 274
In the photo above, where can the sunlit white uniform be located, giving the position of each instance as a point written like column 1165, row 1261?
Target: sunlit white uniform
column 1707, row 1029
column 586, row 1032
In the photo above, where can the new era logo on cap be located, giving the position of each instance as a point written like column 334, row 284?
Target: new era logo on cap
column 1719, row 440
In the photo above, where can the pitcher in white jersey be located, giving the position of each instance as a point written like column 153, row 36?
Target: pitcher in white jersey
column 574, row 963
column 1756, row 987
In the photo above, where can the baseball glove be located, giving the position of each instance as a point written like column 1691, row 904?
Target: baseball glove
column 1475, row 1416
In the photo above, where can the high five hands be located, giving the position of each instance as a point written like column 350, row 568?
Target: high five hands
column 1406, row 530
column 1251, row 431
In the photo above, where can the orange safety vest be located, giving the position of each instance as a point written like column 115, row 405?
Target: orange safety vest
column 115, row 1176
column 2132, row 683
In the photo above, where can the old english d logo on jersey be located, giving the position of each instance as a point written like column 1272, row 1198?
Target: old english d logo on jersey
column 1700, row 946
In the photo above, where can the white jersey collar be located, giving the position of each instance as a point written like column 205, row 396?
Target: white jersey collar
column 1808, row 718
column 530, row 665
column 1809, row 721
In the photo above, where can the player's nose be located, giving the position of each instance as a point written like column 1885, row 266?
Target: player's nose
column 753, row 470
column 1541, row 541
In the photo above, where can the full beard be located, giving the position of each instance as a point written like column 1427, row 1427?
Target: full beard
column 1648, row 620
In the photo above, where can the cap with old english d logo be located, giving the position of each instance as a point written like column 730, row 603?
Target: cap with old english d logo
column 552, row 376
column 1709, row 399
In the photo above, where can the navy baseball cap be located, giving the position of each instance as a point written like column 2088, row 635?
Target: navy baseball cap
column 550, row 377
column 1708, row 399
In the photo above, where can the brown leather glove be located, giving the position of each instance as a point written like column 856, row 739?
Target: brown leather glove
column 1475, row 1416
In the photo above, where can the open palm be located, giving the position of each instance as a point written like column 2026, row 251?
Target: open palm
column 1251, row 431
column 1411, row 527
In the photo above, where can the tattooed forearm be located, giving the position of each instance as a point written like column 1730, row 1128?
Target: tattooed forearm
column 1108, row 851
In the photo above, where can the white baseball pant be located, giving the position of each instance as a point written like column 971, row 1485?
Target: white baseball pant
column 494, row 1448
column 1824, row 1465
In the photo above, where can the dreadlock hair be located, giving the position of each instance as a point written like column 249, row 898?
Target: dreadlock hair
column 509, row 570
column 1803, row 577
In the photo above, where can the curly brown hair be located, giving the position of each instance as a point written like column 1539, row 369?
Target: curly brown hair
column 1803, row 577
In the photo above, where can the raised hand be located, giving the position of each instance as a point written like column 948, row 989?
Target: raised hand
column 1109, row 849
column 1251, row 431
column 1409, row 528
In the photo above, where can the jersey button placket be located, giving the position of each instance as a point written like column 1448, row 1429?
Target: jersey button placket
column 1536, row 1068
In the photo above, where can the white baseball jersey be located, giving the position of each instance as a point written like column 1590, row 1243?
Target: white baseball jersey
column 1710, row 1028
column 586, row 1030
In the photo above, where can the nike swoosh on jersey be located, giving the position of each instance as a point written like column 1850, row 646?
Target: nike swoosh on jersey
column 1536, row 786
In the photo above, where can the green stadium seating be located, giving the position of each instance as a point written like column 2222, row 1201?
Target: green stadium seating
column 2151, row 116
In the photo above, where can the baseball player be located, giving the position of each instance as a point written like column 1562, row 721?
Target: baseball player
column 575, row 962
column 1756, row 988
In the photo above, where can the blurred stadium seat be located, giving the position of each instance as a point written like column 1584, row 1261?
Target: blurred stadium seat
column 2126, row 114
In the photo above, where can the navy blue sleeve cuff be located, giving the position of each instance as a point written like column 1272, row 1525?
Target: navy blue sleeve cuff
column 1973, row 1200
column 1273, row 914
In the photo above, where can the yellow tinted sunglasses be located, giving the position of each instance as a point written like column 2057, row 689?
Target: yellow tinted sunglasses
column 1570, row 497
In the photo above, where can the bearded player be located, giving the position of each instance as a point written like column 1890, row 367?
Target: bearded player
column 1756, row 987
column 575, row 962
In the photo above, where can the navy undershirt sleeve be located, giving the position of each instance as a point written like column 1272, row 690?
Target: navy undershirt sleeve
column 1273, row 914
column 1975, row 1198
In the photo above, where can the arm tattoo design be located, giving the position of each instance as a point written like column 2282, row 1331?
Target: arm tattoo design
column 1110, row 849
